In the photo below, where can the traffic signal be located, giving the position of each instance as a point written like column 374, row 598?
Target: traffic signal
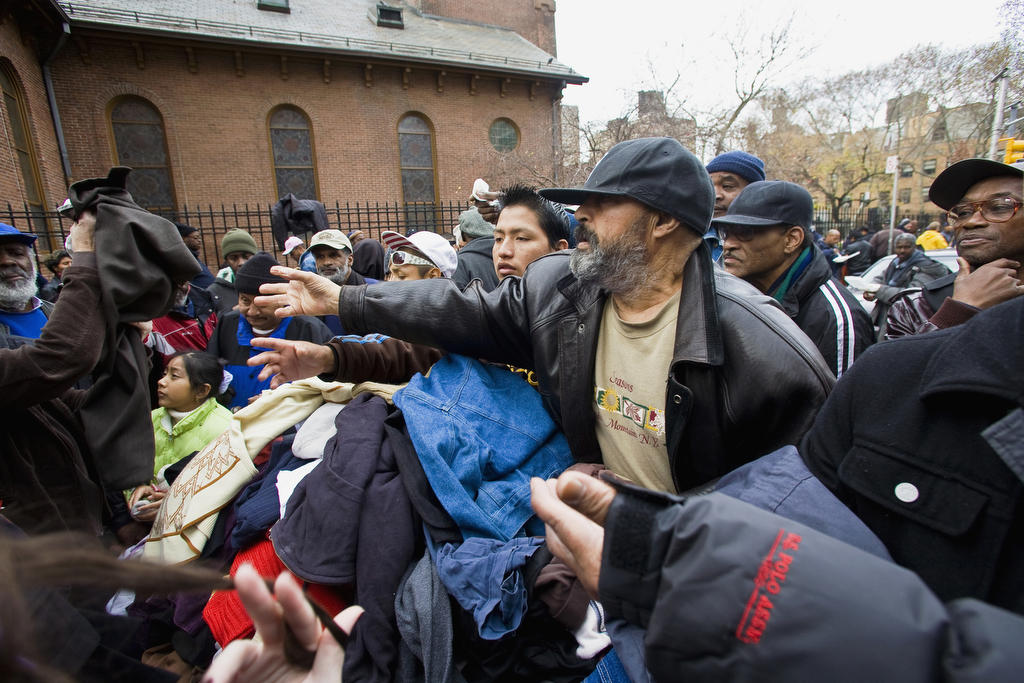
column 1014, row 150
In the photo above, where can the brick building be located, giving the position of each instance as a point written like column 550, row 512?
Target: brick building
column 241, row 102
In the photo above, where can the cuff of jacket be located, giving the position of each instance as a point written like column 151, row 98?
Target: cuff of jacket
column 84, row 259
column 351, row 308
column 630, row 565
column 332, row 376
column 952, row 313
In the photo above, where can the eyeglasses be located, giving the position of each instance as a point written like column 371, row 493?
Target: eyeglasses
column 995, row 210
column 401, row 258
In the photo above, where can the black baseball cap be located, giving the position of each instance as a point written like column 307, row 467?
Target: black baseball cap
column 951, row 185
column 659, row 172
column 770, row 202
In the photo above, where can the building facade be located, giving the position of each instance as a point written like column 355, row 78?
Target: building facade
column 237, row 103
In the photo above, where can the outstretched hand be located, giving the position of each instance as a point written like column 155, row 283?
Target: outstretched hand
column 573, row 508
column 263, row 659
column 289, row 360
column 304, row 294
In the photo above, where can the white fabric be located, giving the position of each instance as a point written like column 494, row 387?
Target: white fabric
column 287, row 480
column 592, row 637
column 316, row 431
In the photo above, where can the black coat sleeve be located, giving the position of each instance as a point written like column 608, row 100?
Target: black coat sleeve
column 727, row 591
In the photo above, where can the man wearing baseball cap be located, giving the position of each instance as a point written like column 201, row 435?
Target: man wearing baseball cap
column 22, row 312
column 983, row 199
column 766, row 240
column 668, row 371
column 423, row 255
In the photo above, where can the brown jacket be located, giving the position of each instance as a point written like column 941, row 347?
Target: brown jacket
column 47, row 477
column 378, row 358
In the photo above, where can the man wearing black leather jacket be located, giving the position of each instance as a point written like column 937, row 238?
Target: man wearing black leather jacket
column 650, row 361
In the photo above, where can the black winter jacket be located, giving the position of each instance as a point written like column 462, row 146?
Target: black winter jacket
column 924, row 441
column 743, row 380
column 730, row 592
column 829, row 314
column 477, row 262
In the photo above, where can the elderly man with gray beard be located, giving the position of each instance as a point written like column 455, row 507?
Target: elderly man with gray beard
column 22, row 313
column 652, row 362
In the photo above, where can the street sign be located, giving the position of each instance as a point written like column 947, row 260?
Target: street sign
column 892, row 164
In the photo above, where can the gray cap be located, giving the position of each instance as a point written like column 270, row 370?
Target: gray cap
column 472, row 224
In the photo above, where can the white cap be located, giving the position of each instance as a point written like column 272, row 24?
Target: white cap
column 290, row 244
column 479, row 187
column 430, row 244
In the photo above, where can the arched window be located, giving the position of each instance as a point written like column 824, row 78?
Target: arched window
column 416, row 157
column 139, row 142
column 19, row 138
column 291, row 143
column 504, row 135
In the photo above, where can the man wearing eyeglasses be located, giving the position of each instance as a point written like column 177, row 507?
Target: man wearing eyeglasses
column 983, row 199
column 766, row 241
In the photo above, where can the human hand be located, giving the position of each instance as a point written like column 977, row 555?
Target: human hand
column 83, row 232
column 303, row 294
column 987, row 285
column 139, row 493
column 488, row 210
column 289, row 360
column 573, row 509
column 263, row 660
column 148, row 512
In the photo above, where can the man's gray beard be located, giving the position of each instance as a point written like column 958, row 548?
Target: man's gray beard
column 620, row 268
column 16, row 297
column 338, row 277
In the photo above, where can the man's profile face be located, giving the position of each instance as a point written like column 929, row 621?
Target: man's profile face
column 193, row 241
column 727, row 187
column 980, row 241
column 17, row 276
column 518, row 241
column 832, row 238
column 333, row 264
column 754, row 254
column 612, row 242
column 61, row 266
column 236, row 258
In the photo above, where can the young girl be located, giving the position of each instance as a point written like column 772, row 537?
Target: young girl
column 188, row 418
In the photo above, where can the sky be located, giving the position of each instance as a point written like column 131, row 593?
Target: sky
column 646, row 46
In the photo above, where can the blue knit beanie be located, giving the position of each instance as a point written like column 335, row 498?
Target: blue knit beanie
column 746, row 166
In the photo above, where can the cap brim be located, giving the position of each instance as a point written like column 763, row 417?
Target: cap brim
column 572, row 195
column 27, row 240
column 739, row 219
column 951, row 185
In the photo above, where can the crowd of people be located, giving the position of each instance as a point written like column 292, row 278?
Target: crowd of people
column 635, row 430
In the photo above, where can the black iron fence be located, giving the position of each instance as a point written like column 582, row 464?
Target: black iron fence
column 874, row 218
column 372, row 218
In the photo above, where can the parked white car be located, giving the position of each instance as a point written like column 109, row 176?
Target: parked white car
column 858, row 284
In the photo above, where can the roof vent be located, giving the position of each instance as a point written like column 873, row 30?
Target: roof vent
column 389, row 17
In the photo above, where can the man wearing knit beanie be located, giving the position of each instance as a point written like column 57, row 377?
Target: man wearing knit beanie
column 233, row 334
column 236, row 247
column 730, row 173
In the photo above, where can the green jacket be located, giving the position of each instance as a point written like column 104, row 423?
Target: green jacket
column 190, row 434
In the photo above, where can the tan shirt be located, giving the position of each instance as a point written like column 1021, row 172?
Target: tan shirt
column 629, row 395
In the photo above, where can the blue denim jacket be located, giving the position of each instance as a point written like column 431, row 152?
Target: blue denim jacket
column 481, row 432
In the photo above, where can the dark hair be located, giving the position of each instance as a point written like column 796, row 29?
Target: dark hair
column 553, row 219
column 55, row 258
column 201, row 368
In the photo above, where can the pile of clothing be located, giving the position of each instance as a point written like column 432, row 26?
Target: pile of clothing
column 412, row 501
